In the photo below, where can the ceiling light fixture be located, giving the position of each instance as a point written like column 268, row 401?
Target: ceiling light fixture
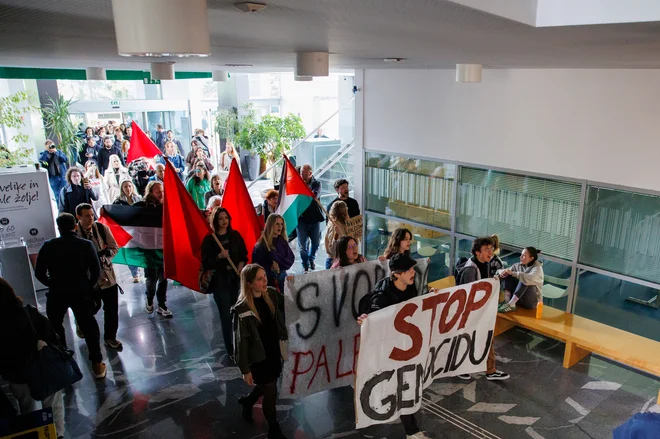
column 95, row 74
column 312, row 64
column 162, row 70
column 469, row 73
column 140, row 28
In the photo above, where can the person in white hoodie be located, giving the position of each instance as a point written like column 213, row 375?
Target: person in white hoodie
column 523, row 282
column 114, row 175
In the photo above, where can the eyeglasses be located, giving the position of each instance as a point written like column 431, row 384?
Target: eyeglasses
column 352, row 246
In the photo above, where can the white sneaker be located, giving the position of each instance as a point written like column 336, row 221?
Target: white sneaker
column 149, row 308
column 465, row 376
column 164, row 312
column 419, row 435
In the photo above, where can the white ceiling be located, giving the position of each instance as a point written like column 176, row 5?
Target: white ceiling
column 357, row 33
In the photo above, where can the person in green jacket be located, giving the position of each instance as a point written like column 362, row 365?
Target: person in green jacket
column 199, row 184
column 259, row 329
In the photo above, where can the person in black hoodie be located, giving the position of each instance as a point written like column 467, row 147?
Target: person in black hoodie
column 225, row 283
column 397, row 288
column 20, row 347
column 478, row 267
column 309, row 223
column 109, row 148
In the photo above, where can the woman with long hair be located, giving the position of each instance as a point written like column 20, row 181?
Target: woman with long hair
column 95, row 179
column 20, row 345
column 128, row 197
column 77, row 191
column 115, row 174
column 125, row 146
column 347, row 253
column 225, row 283
column 227, row 156
column 172, row 154
column 272, row 251
column 399, row 243
column 199, row 184
column 260, row 328
column 335, row 230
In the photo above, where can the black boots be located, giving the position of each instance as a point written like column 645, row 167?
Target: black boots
column 247, row 408
column 274, row 432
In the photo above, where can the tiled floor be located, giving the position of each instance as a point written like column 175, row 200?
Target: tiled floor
column 173, row 380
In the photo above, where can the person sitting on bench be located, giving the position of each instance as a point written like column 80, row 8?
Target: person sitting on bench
column 523, row 282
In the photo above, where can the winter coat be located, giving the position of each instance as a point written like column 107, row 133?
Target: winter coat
column 530, row 275
column 46, row 159
column 281, row 253
column 112, row 187
column 248, row 348
column 106, row 249
column 385, row 294
column 104, row 157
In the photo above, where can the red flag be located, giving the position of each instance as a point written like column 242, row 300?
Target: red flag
column 121, row 236
column 184, row 229
column 141, row 145
column 238, row 203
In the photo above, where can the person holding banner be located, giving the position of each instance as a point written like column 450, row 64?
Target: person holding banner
column 397, row 288
column 272, row 252
column 399, row 243
column 259, row 332
column 476, row 268
column 347, row 253
column 225, row 283
column 335, row 230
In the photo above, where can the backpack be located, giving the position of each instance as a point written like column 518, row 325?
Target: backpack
column 365, row 302
column 460, row 270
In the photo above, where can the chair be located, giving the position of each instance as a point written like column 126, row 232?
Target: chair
column 553, row 292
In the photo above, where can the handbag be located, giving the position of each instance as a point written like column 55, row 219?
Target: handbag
column 52, row 370
column 204, row 279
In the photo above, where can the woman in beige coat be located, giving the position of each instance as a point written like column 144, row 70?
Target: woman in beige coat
column 335, row 230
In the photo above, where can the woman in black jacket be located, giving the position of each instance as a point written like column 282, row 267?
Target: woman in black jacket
column 225, row 283
column 259, row 329
column 20, row 347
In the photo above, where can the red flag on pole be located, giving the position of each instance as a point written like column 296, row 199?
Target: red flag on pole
column 184, row 229
column 141, row 145
column 121, row 236
column 238, row 203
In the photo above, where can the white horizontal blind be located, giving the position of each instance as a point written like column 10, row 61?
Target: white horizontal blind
column 523, row 211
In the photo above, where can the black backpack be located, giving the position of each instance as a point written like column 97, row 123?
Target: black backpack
column 365, row 302
column 460, row 270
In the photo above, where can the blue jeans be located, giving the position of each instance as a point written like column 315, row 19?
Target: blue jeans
column 56, row 184
column 307, row 232
column 134, row 270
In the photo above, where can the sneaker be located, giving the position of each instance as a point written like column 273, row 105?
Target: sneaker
column 419, row 435
column 465, row 376
column 306, row 269
column 149, row 307
column 498, row 375
column 504, row 308
column 164, row 312
column 136, row 279
column 114, row 344
column 312, row 265
column 99, row 370
column 79, row 333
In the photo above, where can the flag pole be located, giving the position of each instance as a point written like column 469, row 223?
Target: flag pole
column 326, row 212
column 223, row 249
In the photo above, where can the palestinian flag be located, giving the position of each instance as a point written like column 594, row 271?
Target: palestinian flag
column 145, row 226
column 295, row 195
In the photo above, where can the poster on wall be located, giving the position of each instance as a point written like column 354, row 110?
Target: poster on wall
column 26, row 208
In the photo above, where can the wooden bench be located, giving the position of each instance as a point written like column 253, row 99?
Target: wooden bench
column 582, row 336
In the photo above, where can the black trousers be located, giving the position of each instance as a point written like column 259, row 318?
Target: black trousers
column 225, row 294
column 83, row 309
column 109, row 297
column 409, row 424
column 156, row 285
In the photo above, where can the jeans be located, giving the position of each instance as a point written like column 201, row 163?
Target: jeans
column 83, row 310
column 328, row 263
column 225, row 294
column 56, row 184
column 26, row 404
column 110, row 299
column 134, row 270
column 307, row 232
column 156, row 286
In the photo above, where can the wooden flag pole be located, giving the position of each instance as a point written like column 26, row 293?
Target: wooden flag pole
column 223, row 249
column 326, row 212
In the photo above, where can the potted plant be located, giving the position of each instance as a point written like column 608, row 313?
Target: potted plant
column 275, row 136
column 13, row 109
column 58, row 124
column 240, row 127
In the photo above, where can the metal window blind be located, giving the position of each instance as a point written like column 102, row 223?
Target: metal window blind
column 621, row 233
column 522, row 211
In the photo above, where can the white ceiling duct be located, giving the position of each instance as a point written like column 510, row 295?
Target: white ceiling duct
column 312, row 64
column 162, row 70
column 161, row 27
column 220, row 75
column 468, row 72
column 95, row 74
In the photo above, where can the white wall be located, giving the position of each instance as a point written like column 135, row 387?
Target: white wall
column 598, row 125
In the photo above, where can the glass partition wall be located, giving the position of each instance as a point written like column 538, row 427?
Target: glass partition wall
column 600, row 244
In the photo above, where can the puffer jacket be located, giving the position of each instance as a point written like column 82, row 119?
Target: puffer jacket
column 530, row 275
column 248, row 348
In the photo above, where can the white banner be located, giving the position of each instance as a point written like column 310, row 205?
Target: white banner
column 25, row 208
column 321, row 310
column 406, row 346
